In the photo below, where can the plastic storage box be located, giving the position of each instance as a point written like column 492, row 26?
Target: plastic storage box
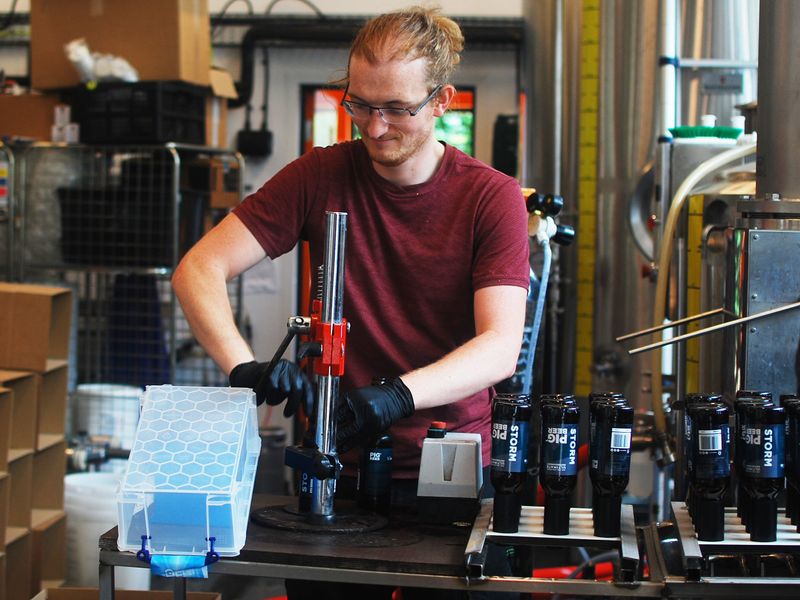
column 145, row 112
column 191, row 471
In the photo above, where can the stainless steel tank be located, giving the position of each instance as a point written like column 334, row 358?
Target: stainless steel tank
column 629, row 126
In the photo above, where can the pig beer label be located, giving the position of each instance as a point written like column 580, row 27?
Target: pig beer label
column 560, row 449
column 616, row 460
column 509, row 446
column 763, row 451
column 710, row 452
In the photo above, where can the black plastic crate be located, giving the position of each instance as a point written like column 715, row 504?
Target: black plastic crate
column 145, row 112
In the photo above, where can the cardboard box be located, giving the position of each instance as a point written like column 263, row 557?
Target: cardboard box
column 27, row 115
column 222, row 89
column 24, row 388
column 4, row 500
column 94, row 594
column 161, row 39
column 49, row 553
column 18, row 567
column 52, row 405
column 35, row 322
column 6, row 408
column 20, row 474
column 216, row 176
column 49, row 469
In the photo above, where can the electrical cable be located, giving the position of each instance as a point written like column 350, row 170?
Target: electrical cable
column 265, row 105
column 225, row 8
column 9, row 16
column 590, row 562
column 308, row 3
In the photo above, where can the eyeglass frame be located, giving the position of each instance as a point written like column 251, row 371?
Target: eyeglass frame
column 411, row 113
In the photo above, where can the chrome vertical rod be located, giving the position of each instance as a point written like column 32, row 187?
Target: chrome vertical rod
column 328, row 385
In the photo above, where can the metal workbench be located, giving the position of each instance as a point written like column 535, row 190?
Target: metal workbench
column 405, row 553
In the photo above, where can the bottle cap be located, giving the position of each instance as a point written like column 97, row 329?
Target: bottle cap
column 605, row 512
column 709, row 520
column 763, row 519
column 507, row 508
column 437, row 429
column 556, row 515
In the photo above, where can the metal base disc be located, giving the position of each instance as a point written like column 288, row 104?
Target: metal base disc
column 345, row 520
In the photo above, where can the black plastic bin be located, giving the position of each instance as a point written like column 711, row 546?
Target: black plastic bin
column 145, row 112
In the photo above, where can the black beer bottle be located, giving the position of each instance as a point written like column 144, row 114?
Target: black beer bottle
column 375, row 469
column 559, row 460
column 743, row 399
column 710, row 474
column 511, row 416
column 375, row 474
column 791, row 404
column 610, row 460
column 690, row 400
column 596, row 400
column 764, row 429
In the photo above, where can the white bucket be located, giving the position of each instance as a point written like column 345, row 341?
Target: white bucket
column 90, row 503
column 107, row 409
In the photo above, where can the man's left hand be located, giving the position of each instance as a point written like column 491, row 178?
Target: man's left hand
column 370, row 410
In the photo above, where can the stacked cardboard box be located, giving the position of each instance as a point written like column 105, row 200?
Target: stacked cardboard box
column 33, row 395
column 164, row 40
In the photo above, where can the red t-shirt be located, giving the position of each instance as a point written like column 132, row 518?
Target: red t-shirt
column 414, row 257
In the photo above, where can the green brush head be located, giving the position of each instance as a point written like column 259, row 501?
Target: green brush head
column 696, row 131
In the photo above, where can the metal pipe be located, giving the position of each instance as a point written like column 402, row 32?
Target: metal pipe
column 778, row 90
column 669, row 66
column 328, row 385
column 683, row 321
column 717, row 327
column 716, row 63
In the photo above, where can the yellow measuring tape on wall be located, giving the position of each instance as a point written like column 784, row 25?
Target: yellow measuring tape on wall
column 587, row 192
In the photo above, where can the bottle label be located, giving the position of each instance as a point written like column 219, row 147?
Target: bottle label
column 509, row 446
column 379, row 455
column 763, row 451
column 711, row 453
column 377, row 475
column 560, row 449
column 617, row 461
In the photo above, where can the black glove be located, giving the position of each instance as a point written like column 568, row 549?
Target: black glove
column 287, row 380
column 368, row 411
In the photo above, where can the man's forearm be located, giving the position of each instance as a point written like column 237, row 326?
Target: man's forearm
column 204, row 299
column 486, row 359
column 475, row 366
column 200, row 283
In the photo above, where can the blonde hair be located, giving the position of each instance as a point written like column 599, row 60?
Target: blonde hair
column 416, row 32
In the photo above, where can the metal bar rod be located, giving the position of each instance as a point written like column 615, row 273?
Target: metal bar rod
column 691, row 334
column 716, row 63
column 173, row 301
column 675, row 323
column 474, row 553
column 328, row 385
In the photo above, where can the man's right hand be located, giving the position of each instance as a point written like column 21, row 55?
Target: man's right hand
column 287, row 381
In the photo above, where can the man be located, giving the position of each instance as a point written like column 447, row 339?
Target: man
column 436, row 269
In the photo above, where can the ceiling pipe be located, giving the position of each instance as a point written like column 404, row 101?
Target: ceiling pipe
column 340, row 31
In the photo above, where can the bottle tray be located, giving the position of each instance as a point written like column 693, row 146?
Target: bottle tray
column 581, row 533
column 736, row 538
